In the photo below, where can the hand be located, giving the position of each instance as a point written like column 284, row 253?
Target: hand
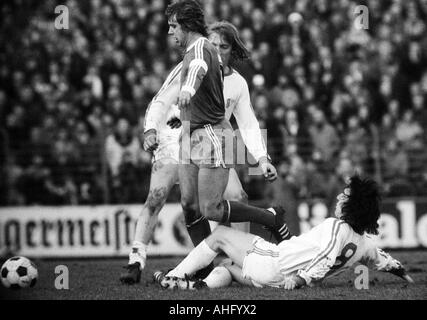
column 294, row 282
column 268, row 170
column 290, row 283
column 174, row 123
column 150, row 140
column 184, row 99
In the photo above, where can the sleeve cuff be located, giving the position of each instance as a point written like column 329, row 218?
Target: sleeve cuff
column 264, row 157
column 189, row 89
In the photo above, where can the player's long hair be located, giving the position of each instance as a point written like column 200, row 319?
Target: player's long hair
column 189, row 14
column 239, row 52
column 361, row 211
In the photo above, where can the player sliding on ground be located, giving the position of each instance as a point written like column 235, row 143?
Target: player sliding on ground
column 326, row 250
column 162, row 140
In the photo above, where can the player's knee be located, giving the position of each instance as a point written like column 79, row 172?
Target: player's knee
column 220, row 233
column 188, row 205
column 242, row 197
column 190, row 209
column 217, row 239
column 155, row 201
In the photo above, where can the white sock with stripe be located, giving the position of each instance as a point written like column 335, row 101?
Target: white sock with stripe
column 138, row 253
column 272, row 211
column 200, row 257
column 284, row 230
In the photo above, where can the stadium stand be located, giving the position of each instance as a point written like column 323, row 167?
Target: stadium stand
column 333, row 97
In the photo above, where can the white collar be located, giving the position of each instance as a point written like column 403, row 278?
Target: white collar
column 194, row 43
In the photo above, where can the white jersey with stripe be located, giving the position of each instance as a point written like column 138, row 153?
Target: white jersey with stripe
column 162, row 106
column 238, row 103
column 330, row 248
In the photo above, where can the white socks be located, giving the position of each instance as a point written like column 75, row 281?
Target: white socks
column 138, row 253
column 197, row 259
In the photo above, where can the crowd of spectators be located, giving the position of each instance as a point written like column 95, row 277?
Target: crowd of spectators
column 335, row 97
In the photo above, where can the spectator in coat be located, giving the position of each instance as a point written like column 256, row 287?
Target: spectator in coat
column 324, row 136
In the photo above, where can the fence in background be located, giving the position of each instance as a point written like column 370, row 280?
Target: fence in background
column 86, row 178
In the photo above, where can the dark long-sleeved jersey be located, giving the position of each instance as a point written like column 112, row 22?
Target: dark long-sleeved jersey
column 202, row 77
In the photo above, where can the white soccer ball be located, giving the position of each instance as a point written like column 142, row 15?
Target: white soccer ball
column 19, row 272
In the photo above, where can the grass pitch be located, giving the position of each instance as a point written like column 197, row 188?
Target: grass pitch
column 99, row 280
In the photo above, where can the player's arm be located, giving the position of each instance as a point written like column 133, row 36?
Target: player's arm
column 153, row 116
column 379, row 260
column 251, row 132
column 157, row 112
column 332, row 238
column 198, row 60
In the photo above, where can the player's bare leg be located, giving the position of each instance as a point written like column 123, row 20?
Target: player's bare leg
column 197, row 225
column 234, row 192
column 212, row 184
column 164, row 175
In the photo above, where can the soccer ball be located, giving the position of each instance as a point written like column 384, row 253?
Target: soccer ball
column 19, row 272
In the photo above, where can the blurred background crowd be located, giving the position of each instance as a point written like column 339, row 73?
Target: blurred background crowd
column 335, row 98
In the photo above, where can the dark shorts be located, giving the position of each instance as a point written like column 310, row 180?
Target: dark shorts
column 209, row 147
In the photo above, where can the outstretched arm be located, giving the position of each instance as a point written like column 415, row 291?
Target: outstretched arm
column 251, row 132
column 379, row 260
column 155, row 112
column 159, row 108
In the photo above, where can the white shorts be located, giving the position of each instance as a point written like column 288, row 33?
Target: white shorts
column 261, row 264
column 168, row 147
column 168, row 151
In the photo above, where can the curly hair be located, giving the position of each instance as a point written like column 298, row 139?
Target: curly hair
column 361, row 210
column 239, row 52
column 189, row 14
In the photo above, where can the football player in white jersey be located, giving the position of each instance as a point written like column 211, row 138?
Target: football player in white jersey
column 161, row 137
column 326, row 250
